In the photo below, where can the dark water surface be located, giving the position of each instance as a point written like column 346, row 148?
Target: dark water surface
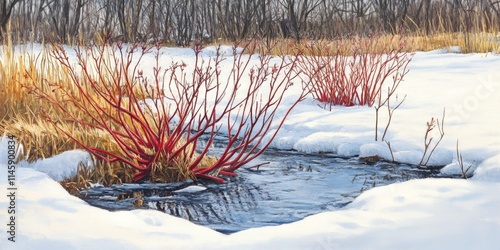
column 289, row 188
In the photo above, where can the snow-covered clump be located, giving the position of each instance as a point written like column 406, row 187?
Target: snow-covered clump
column 489, row 170
column 61, row 166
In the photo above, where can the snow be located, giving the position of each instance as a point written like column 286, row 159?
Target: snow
column 191, row 189
column 489, row 170
column 428, row 213
column 62, row 166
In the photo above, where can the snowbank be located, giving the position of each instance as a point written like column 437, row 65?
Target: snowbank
column 418, row 214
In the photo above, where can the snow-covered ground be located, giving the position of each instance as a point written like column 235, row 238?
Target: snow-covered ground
column 417, row 214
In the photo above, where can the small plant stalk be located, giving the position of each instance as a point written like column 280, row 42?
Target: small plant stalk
column 460, row 161
column 427, row 141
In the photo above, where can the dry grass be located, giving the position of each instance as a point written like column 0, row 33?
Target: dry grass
column 22, row 114
column 480, row 42
column 468, row 42
column 13, row 98
column 116, row 173
column 24, row 117
column 371, row 44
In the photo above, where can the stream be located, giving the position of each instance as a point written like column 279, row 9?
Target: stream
column 289, row 187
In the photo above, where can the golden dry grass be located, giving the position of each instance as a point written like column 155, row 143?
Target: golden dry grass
column 24, row 116
column 116, row 173
column 22, row 113
column 468, row 42
column 479, row 42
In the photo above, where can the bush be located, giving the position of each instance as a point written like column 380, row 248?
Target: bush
column 345, row 72
column 158, row 123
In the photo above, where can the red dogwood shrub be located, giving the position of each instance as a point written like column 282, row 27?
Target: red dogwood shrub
column 345, row 72
column 160, row 120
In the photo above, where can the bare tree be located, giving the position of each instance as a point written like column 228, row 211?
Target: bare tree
column 236, row 17
column 183, row 21
column 422, row 15
column 392, row 13
column 495, row 5
column 109, row 8
column 358, row 12
column 183, row 16
column 60, row 19
column 298, row 12
column 129, row 17
column 164, row 19
column 5, row 13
